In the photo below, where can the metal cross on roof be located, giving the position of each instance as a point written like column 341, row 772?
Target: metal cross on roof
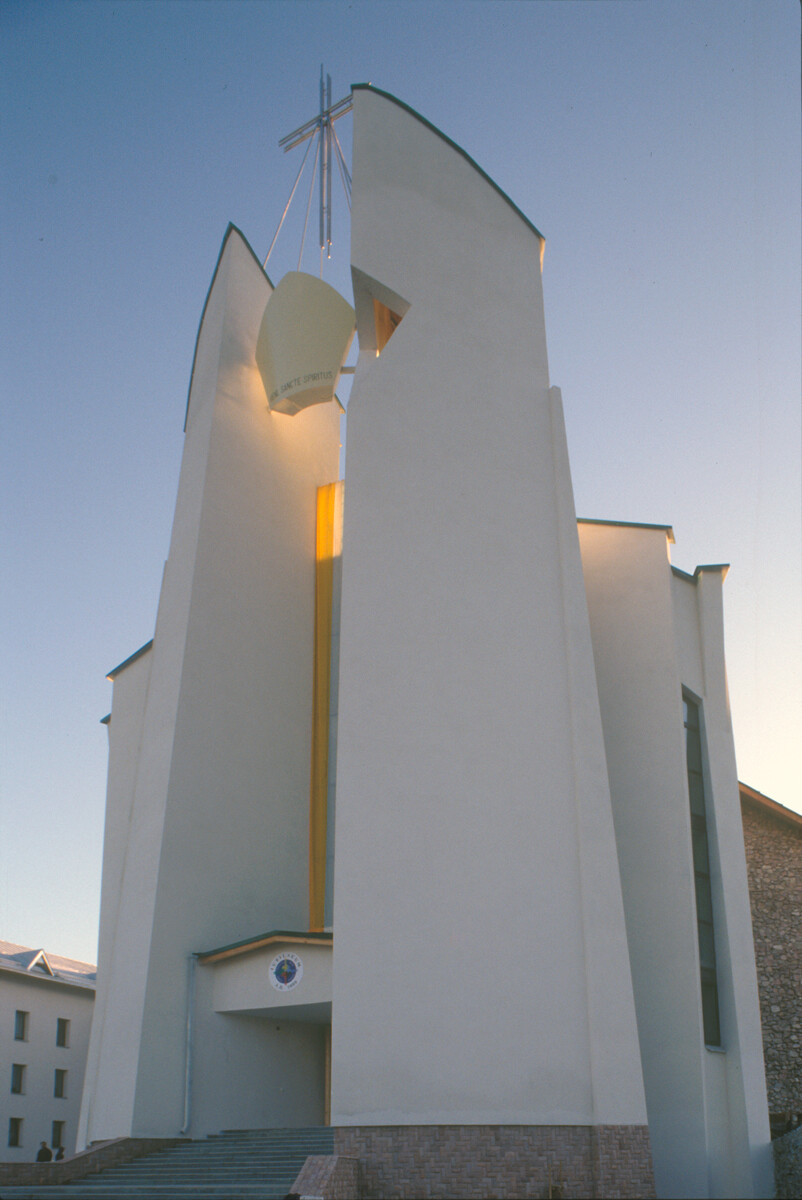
column 320, row 132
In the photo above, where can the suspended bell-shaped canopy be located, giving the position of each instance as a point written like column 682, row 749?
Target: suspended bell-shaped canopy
column 303, row 341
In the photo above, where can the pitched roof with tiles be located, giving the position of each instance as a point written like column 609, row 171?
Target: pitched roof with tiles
column 40, row 964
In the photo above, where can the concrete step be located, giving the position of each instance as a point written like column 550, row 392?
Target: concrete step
column 79, row 1190
column 76, row 1191
column 222, row 1177
column 202, row 1164
column 228, row 1155
column 237, row 1164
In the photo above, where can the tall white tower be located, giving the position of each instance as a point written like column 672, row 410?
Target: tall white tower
column 481, row 975
column 207, row 816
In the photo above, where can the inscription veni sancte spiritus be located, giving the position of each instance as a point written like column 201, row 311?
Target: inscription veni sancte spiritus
column 301, row 380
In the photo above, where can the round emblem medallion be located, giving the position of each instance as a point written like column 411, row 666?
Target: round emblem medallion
column 286, row 971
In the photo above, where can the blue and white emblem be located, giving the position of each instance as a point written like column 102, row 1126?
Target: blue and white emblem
column 286, row 971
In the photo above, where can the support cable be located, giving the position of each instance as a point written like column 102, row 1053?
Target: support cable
column 342, row 158
column 309, row 201
column 289, row 202
column 341, row 165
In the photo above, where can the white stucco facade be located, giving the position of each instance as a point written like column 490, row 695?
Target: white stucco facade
column 461, row 778
column 209, row 763
column 510, row 931
column 657, row 635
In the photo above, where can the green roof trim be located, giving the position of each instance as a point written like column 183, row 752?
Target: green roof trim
column 115, row 671
column 368, row 87
column 716, row 568
column 265, row 939
column 667, row 529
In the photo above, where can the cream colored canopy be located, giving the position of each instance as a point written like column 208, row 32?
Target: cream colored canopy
column 305, row 335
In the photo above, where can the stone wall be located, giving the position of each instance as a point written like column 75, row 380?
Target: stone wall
column 327, row 1177
column 788, row 1165
column 426, row 1162
column 774, row 866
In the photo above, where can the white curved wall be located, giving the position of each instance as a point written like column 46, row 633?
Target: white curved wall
column 472, row 982
column 217, row 844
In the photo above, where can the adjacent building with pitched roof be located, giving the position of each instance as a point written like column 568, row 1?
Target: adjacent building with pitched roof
column 46, row 1006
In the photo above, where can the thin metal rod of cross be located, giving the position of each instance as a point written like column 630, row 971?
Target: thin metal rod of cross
column 321, row 129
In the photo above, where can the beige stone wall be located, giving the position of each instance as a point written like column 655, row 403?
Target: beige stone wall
column 328, row 1177
column 476, row 1161
column 774, row 866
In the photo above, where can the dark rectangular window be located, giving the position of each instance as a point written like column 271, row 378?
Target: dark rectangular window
column 62, row 1032
column 17, row 1078
column 60, row 1084
column 15, row 1131
column 57, row 1134
column 701, row 870
column 20, row 1026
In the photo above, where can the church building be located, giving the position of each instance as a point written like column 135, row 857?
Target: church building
column 423, row 817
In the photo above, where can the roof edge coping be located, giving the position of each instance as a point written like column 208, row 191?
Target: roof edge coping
column 248, row 945
column 667, row 529
column 721, row 569
column 369, row 87
column 115, row 671
column 753, row 796
column 231, row 228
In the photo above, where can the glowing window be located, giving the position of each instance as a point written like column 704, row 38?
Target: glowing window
column 387, row 322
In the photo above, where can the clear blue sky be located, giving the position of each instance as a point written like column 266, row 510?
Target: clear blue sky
column 657, row 147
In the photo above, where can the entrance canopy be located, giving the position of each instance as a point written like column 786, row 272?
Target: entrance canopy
column 280, row 973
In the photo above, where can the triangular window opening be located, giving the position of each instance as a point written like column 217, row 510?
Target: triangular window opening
column 386, row 321
column 41, row 962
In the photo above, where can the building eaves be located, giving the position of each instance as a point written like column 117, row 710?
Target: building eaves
column 300, row 937
column 22, row 962
column 714, row 568
column 115, row 671
column 667, row 529
column 758, row 800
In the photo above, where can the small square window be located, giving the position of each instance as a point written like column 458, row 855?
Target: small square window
column 17, row 1079
column 57, row 1134
column 60, row 1084
column 20, row 1026
column 15, row 1131
column 62, row 1032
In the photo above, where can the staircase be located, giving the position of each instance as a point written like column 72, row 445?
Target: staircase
column 240, row 1164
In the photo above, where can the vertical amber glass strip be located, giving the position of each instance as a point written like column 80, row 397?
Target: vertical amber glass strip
column 318, row 792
